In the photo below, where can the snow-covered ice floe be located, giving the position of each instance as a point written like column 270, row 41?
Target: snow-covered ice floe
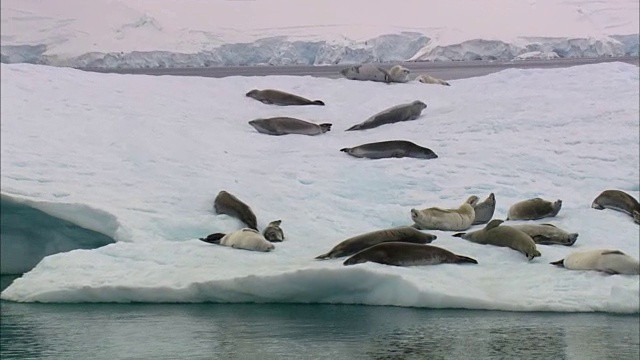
column 153, row 152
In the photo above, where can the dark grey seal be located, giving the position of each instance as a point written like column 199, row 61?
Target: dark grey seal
column 277, row 97
column 360, row 242
column 618, row 200
column 407, row 254
column 484, row 210
column 228, row 204
column 273, row 232
column 534, row 209
column 402, row 112
column 390, row 149
column 287, row 125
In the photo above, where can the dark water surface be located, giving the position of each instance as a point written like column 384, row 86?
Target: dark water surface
column 285, row 331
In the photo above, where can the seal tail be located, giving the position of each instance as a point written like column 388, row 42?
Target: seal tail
column 213, row 238
column 354, row 127
column 558, row 263
column 465, row 259
column 323, row 256
column 325, row 127
column 446, row 83
column 458, row 235
column 317, row 102
column 344, row 149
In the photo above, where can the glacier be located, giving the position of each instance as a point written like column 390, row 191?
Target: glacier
column 140, row 159
column 406, row 46
column 191, row 33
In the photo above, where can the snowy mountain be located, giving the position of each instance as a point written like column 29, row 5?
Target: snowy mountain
column 164, row 33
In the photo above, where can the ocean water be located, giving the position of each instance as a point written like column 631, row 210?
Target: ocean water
column 290, row 331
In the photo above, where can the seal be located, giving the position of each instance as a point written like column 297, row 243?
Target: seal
column 618, row 200
column 247, row 239
column 366, row 72
column 273, row 232
column 484, row 210
column 287, row 125
column 435, row 218
column 399, row 74
column 390, row 149
column 407, row 254
column 502, row 235
column 360, row 242
column 547, row 234
column 402, row 112
column 427, row 79
column 533, row 209
column 277, row 97
column 228, row 204
column 605, row 260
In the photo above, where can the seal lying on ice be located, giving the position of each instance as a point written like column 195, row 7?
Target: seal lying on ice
column 407, row 254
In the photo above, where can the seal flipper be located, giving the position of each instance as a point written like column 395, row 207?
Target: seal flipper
column 458, row 234
column 465, row 259
column 533, row 255
column 317, row 102
column 493, row 223
column 213, row 238
column 543, row 240
column 611, row 272
column 613, row 252
column 558, row 263
column 324, row 127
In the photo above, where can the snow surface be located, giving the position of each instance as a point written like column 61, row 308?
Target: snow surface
column 153, row 151
column 157, row 33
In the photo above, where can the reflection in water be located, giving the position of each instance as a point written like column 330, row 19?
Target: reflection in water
column 479, row 335
column 546, row 342
column 218, row 331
